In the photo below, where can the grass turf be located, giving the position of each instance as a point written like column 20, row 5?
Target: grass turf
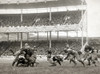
column 45, row 68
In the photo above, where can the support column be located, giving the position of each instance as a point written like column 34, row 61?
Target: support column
column 50, row 40
column 87, row 26
column 82, row 22
column 67, row 36
column 57, row 35
column 21, row 40
column 82, row 37
column 77, row 35
column 7, row 36
column 27, row 36
column 47, row 36
column 18, row 36
column 21, row 16
column 50, row 15
column 37, row 36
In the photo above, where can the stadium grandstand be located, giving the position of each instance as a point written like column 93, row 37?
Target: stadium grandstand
column 47, row 23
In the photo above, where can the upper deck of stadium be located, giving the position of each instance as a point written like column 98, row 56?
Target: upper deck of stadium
column 26, row 12
column 16, row 4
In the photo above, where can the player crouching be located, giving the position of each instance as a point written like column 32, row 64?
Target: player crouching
column 53, row 60
column 29, row 58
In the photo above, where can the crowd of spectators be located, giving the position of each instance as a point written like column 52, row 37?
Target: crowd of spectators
column 43, row 46
column 38, row 19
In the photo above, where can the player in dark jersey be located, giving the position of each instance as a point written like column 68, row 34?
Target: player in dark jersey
column 88, row 48
column 55, row 59
column 49, row 57
column 49, row 52
column 90, row 55
column 29, row 54
column 66, row 52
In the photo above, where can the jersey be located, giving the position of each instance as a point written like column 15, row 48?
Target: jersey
column 72, row 54
column 27, row 52
column 89, row 49
column 49, row 52
column 65, row 50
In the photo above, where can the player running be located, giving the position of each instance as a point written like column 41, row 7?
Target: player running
column 72, row 55
column 90, row 55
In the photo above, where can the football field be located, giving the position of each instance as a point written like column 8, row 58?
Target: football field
column 44, row 67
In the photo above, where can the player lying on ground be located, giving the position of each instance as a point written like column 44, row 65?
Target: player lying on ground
column 55, row 59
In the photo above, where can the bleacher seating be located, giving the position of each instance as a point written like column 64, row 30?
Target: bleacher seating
column 57, row 18
column 43, row 46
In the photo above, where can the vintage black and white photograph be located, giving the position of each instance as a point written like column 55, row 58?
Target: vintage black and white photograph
column 49, row 36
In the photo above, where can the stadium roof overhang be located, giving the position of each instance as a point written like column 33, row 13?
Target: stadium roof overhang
column 40, row 6
column 39, row 28
column 43, row 10
column 16, row 4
